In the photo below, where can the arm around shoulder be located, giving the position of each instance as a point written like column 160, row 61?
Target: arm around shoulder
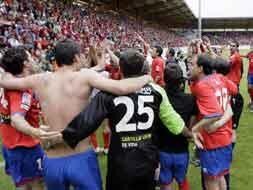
column 118, row 87
column 28, row 82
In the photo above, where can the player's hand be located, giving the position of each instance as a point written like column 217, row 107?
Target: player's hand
column 205, row 40
column 198, row 139
column 45, row 135
column 106, row 44
column 52, row 140
column 82, row 61
column 139, row 37
column 212, row 128
column 55, row 139
column 44, row 127
column 190, row 137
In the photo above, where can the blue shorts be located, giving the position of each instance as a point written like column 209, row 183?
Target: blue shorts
column 250, row 79
column 23, row 164
column 80, row 171
column 173, row 166
column 215, row 163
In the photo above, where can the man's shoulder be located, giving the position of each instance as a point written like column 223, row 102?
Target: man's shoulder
column 202, row 83
column 155, row 88
column 158, row 60
column 237, row 57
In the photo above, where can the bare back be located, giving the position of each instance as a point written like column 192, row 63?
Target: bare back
column 62, row 98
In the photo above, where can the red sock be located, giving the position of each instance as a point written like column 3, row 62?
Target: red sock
column 106, row 138
column 93, row 140
column 250, row 90
column 184, row 185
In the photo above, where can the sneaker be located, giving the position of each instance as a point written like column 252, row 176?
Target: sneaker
column 98, row 150
column 106, row 150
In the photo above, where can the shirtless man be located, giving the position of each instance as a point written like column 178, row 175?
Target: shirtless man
column 62, row 96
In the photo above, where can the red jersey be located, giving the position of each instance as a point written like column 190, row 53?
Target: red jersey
column 212, row 96
column 114, row 72
column 236, row 69
column 18, row 102
column 157, row 69
column 250, row 57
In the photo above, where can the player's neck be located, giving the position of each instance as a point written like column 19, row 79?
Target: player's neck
column 201, row 76
column 66, row 68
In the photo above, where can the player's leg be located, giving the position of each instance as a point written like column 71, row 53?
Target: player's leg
column 237, row 107
column 222, row 183
column 181, row 162
column 144, row 178
column 37, row 156
column 215, row 163
column 23, row 166
column 106, row 137
column 212, row 184
column 216, row 183
column 185, row 185
column 147, row 183
column 250, row 90
column 203, row 184
column 112, row 184
column 166, row 177
column 166, row 186
column 37, row 185
column 94, row 142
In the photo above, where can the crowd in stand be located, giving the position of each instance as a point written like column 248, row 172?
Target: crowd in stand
column 37, row 25
column 221, row 38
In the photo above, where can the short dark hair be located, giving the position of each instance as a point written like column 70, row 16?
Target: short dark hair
column 172, row 52
column 117, row 53
column 206, row 62
column 131, row 63
column 13, row 60
column 159, row 50
column 221, row 66
column 173, row 75
column 236, row 43
column 65, row 52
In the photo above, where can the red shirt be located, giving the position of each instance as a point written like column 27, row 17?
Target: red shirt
column 114, row 72
column 18, row 102
column 235, row 73
column 250, row 57
column 157, row 69
column 212, row 96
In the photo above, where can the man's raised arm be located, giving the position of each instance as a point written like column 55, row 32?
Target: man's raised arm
column 118, row 87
